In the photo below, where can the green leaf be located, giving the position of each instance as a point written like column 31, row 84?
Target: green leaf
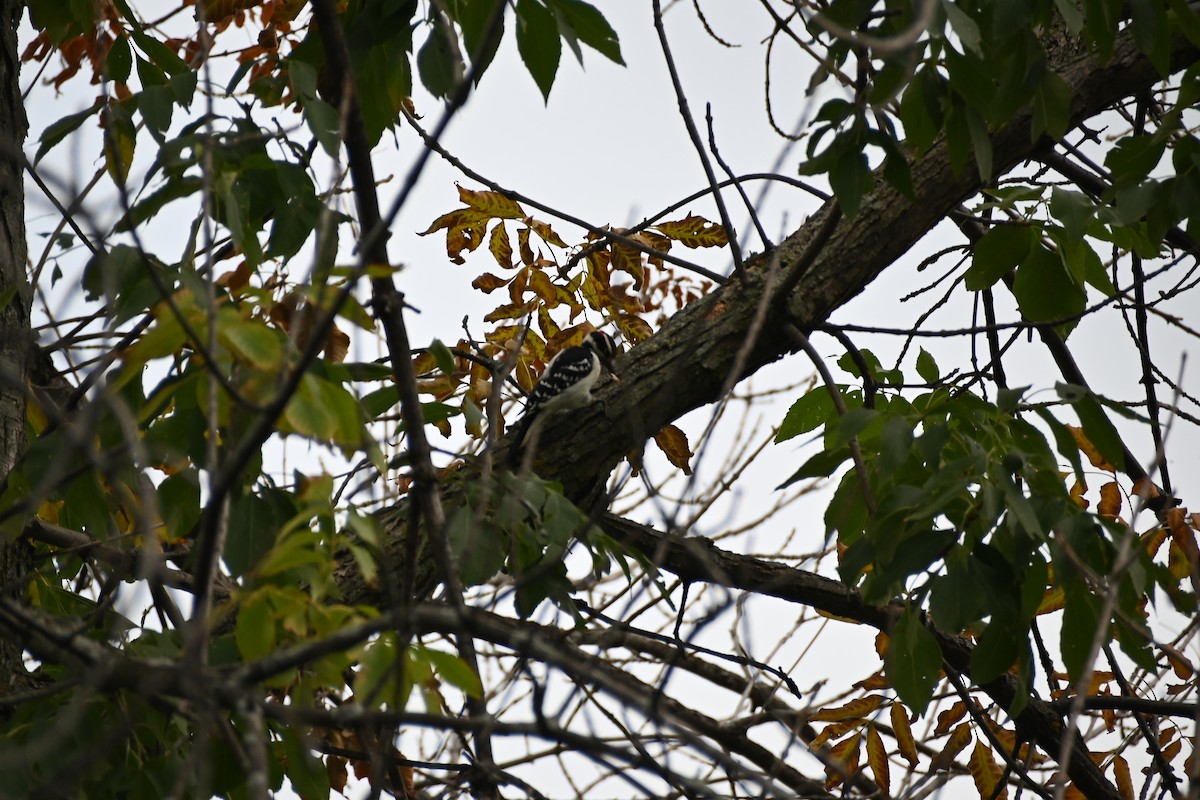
column 840, row 430
column 474, row 18
column 1045, row 291
column 927, row 368
column 308, row 776
column 590, row 27
column 255, row 631
column 998, row 648
column 250, row 341
column 1074, row 209
column 454, row 671
column 1134, row 157
column 822, row 465
column 442, row 356
column 981, row 140
column 1152, row 32
column 965, row 27
column 1051, row 107
column 999, row 252
column 1102, row 18
column 437, row 62
column 1081, row 620
column 479, row 546
column 538, row 43
column 806, row 414
column 119, row 62
column 57, row 131
column 913, row 660
column 850, row 178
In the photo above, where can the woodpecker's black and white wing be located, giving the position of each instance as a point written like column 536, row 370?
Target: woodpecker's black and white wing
column 568, row 380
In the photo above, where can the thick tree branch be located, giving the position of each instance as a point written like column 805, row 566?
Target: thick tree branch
column 684, row 365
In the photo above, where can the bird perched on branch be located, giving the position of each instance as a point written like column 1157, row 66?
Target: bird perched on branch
column 567, row 382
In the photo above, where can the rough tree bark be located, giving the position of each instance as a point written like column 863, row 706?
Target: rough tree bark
column 15, row 334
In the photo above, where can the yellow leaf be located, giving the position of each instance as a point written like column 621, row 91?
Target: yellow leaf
column 544, row 230
column 1110, row 500
column 878, row 760
column 855, row 709
column 634, row 329
column 959, row 739
column 1088, row 449
column 834, row 731
column 986, row 772
column 1053, row 600
column 510, row 311
column 903, row 733
column 693, row 231
column 544, row 288
column 493, row 204
column 523, row 244
column 500, row 247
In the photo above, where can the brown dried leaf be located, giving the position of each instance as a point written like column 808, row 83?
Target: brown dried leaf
column 1122, row 777
column 337, row 345
column 488, row 283
column 335, row 768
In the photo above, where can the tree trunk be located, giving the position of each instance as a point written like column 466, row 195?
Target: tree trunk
column 15, row 334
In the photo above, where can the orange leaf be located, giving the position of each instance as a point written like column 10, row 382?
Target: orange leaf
column 1122, row 778
column 903, row 733
column 855, row 709
column 959, row 739
column 1088, row 449
column 493, row 204
column 878, row 760
column 1077, row 490
column 674, row 444
column 986, row 772
column 947, row 718
column 335, row 768
column 1110, row 500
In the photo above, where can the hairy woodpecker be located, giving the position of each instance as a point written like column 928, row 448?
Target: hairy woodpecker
column 568, row 381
